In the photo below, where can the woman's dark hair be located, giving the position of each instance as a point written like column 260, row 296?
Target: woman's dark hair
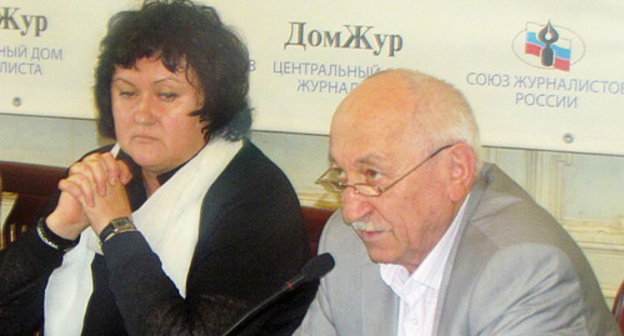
column 180, row 33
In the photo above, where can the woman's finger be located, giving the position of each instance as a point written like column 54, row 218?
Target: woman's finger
column 98, row 171
column 79, row 187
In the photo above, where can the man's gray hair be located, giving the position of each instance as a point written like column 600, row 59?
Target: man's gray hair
column 442, row 112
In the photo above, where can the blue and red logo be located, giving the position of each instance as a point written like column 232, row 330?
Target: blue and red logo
column 548, row 46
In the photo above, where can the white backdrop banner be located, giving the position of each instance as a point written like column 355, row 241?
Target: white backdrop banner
column 48, row 52
column 539, row 74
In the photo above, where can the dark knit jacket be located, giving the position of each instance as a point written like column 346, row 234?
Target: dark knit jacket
column 251, row 240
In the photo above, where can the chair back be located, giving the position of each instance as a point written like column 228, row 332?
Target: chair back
column 33, row 184
column 618, row 307
column 314, row 220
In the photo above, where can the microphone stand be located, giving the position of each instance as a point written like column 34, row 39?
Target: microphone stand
column 314, row 269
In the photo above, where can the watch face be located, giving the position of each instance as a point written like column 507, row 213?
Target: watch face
column 122, row 223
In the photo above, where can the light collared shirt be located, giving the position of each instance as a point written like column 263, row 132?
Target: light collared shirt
column 419, row 291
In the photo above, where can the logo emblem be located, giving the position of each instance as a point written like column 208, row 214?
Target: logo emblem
column 548, row 46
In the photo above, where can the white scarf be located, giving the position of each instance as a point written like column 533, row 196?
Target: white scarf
column 169, row 221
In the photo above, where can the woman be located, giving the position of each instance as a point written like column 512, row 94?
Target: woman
column 183, row 225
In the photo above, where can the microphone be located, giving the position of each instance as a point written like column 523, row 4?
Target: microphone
column 312, row 270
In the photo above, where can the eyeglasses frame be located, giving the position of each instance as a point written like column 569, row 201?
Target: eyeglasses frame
column 339, row 187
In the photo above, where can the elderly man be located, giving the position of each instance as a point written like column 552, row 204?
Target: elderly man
column 431, row 242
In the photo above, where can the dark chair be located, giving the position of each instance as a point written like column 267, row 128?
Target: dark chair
column 618, row 307
column 315, row 219
column 33, row 184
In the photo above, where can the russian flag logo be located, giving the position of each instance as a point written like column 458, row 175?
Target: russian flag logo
column 543, row 41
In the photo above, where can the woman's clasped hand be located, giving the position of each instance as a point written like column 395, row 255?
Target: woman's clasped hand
column 92, row 195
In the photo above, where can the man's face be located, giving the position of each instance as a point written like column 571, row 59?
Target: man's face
column 375, row 139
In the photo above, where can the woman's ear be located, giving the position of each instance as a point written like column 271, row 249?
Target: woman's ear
column 462, row 169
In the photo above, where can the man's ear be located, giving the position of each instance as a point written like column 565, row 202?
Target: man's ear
column 462, row 168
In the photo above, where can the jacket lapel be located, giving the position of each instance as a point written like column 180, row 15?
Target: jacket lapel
column 444, row 309
column 378, row 304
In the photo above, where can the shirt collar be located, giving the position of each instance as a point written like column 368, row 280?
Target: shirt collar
column 135, row 188
column 136, row 169
column 428, row 275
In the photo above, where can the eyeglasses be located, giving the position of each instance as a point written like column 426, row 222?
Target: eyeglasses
column 331, row 183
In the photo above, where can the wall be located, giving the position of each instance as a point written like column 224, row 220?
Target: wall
column 584, row 192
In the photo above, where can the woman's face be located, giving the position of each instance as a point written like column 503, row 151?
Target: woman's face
column 151, row 109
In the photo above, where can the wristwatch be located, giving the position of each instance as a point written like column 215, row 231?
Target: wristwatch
column 117, row 225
